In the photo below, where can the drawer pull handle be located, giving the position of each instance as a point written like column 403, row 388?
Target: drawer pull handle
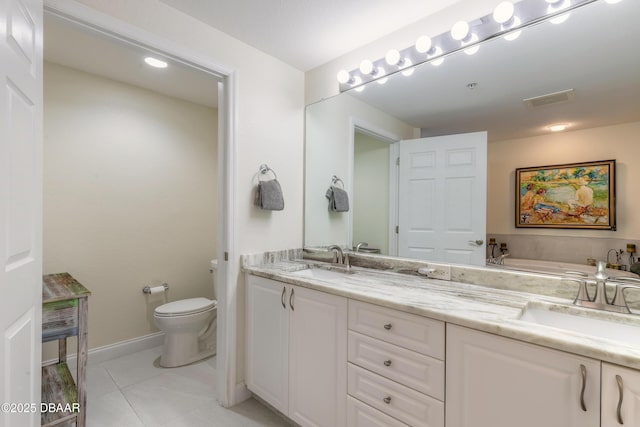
column 619, row 410
column 387, row 400
column 387, row 326
column 291, row 300
column 583, row 371
column 387, row 363
column 284, row 290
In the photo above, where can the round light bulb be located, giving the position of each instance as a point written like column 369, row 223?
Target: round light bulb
column 343, row 76
column 392, row 57
column 382, row 72
column 407, row 67
column 503, row 12
column 423, row 44
column 473, row 49
column 366, row 67
column 437, row 52
column 460, row 30
column 513, row 35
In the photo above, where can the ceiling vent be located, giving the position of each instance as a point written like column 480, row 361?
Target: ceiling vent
column 551, row 98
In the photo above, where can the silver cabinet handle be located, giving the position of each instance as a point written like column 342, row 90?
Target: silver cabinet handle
column 478, row 242
column 387, row 326
column 619, row 410
column 387, row 400
column 284, row 291
column 583, row 371
column 291, row 300
column 387, row 363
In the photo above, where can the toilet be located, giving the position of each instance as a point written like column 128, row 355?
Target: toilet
column 189, row 327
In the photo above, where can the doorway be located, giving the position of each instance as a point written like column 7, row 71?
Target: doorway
column 225, row 247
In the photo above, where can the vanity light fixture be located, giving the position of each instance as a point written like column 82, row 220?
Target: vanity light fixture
column 155, row 62
column 508, row 20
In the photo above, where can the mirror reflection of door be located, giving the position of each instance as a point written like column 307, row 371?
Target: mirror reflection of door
column 442, row 198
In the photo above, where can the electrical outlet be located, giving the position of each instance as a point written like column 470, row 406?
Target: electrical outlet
column 443, row 272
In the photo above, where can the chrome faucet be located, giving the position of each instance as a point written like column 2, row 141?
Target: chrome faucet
column 361, row 244
column 339, row 256
column 600, row 300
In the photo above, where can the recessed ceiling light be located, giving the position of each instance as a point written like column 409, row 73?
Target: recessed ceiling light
column 154, row 62
column 558, row 127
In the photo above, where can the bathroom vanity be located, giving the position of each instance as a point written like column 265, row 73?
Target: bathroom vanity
column 64, row 314
column 334, row 347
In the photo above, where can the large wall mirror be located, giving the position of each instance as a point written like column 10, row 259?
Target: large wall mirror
column 583, row 72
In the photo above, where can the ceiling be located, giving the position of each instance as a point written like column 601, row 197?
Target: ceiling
column 308, row 33
column 593, row 53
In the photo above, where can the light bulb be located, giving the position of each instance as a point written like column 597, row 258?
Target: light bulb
column 407, row 67
column 366, row 67
column 437, row 51
column 154, row 62
column 460, row 30
column 557, row 6
column 513, row 35
column 560, row 18
column 558, row 127
column 393, row 57
column 381, row 72
column 423, row 44
column 503, row 12
column 473, row 49
column 343, row 76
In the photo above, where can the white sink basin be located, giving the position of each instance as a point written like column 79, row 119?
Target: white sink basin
column 596, row 324
column 322, row 273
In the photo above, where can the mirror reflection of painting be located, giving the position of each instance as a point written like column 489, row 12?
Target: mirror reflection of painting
column 578, row 195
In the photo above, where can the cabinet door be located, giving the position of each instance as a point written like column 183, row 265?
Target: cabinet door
column 317, row 358
column 498, row 382
column 268, row 340
column 620, row 400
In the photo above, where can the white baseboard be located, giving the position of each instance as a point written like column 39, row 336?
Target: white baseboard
column 241, row 393
column 123, row 348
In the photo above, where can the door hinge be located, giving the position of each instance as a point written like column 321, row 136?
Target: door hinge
column 397, row 161
column 226, row 256
column 397, row 229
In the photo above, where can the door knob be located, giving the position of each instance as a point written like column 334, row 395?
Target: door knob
column 478, row 242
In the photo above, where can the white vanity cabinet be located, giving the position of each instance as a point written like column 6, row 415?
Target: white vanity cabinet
column 494, row 381
column 620, row 396
column 396, row 368
column 297, row 351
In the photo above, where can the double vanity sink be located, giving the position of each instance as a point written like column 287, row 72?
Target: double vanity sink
column 543, row 319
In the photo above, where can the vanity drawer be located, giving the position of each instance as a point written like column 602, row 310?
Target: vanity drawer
column 407, row 330
column 422, row 373
column 363, row 415
column 396, row 400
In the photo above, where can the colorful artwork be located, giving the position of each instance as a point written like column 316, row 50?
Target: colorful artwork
column 578, row 195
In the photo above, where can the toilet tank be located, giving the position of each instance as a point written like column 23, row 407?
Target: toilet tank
column 214, row 277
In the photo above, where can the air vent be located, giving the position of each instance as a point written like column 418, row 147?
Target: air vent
column 551, row 98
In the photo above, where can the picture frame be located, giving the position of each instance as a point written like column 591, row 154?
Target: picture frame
column 573, row 195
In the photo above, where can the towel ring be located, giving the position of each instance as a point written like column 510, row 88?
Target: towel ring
column 335, row 180
column 264, row 169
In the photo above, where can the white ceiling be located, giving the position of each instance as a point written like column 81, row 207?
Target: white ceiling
column 308, row 33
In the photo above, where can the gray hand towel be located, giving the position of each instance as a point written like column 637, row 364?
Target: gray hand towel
column 338, row 199
column 269, row 195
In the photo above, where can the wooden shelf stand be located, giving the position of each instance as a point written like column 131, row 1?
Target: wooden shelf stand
column 64, row 314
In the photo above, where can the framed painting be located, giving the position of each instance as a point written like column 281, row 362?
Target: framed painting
column 576, row 195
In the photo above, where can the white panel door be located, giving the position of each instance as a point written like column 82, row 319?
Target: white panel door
column 620, row 396
column 317, row 358
column 499, row 382
column 442, row 198
column 268, row 340
column 20, row 207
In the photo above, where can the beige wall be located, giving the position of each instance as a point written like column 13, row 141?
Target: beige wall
column 371, row 192
column 130, row 197
column 619, row 142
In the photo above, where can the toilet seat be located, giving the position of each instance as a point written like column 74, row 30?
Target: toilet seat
column 185, row 307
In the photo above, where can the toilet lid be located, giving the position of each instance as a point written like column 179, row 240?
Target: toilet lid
column 185, row 306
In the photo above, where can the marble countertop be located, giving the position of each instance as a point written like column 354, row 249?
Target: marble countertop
column 479, row 307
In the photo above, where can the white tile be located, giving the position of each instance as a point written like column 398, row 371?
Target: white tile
column 110, row 410
column 99, row 382
column 134, row 368
column 247, row 414
column 168, row 397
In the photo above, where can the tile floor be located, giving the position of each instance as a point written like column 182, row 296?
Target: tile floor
column 133, row 391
